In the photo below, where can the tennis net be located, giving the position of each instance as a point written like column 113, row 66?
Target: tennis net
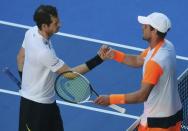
column 183, row 91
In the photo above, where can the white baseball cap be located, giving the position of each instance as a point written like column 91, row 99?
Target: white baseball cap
column 157, row 20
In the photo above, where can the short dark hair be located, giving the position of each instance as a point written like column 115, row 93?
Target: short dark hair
column 160, row 34
column 43, row 15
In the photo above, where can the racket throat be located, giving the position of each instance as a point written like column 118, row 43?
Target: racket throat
column 95, row 92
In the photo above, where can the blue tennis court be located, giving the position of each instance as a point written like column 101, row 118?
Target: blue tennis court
column 86, row 25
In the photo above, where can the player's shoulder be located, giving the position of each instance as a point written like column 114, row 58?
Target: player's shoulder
column 31, row 30
column 166, row 49
column 167, row 46
column 165, row 54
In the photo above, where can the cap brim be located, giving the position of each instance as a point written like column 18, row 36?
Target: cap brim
column 143, row 20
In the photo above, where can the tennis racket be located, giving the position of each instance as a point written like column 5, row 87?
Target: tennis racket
column 83, row 94
column 11, row 76
column 75, row 88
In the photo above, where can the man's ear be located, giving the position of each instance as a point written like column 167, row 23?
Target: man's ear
column 154, row 31
column 44, row 26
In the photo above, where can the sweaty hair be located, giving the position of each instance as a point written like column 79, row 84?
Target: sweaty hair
column 160, row 34
column 43, row 15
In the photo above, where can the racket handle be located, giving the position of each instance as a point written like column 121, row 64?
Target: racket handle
column 118, row 108
column 115, row 107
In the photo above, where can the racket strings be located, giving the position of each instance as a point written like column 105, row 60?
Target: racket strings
column 75, row 90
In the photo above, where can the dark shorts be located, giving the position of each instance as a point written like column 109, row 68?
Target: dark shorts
column 39, row 117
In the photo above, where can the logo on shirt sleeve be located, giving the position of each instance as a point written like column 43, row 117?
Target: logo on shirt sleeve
column 56, row 62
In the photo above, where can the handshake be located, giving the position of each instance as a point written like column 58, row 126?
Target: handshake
column 106, row 52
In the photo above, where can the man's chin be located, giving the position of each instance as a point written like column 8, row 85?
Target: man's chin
column 57, row 30
column 143, row 38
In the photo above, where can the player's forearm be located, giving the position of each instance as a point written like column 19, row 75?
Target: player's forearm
column 89, row 65
column 20, row 59
column 130, row 98
column 20, row 65
column 82, row 69
column 20, row 62
column 139, row 96
column 135, row 97
column 132, row 60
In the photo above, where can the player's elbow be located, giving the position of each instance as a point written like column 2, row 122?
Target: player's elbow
column 142, row 98
column 144, row 91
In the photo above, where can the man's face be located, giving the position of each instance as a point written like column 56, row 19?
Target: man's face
column 53, row 27
column 146, row 32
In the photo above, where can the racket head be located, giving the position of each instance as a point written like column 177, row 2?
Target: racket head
column 73, row 87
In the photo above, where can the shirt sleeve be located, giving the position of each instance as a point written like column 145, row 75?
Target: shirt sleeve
column 50, row 60
column 152, row 72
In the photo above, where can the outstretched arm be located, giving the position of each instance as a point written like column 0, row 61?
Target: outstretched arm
column 90, row 64
column 128, row 59
column 133, row 60
column 135, row 97
column 152, row 74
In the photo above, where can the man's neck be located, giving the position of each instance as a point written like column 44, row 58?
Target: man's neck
column 44, row 34
column 154, row 42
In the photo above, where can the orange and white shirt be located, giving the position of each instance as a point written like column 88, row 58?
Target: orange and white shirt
column 159, row 69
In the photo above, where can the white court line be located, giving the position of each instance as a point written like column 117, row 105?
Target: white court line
column 87, row 39
column 79, row 106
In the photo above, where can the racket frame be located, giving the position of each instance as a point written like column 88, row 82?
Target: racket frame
column 91, row 89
